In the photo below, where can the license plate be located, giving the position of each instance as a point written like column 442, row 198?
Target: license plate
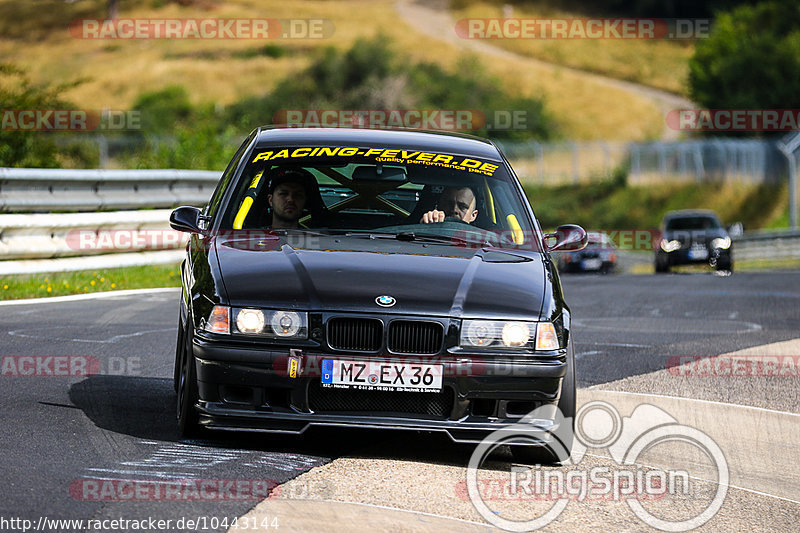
column 698, row 253
column 592, row 264
column 381, row 375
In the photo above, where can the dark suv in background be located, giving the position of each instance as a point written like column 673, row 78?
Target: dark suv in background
column 693, row 237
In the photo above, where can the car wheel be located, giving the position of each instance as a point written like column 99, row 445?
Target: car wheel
column 187, row 392
column 565, row 435
column 179, row 350
column 725, row 265
column 661, row 267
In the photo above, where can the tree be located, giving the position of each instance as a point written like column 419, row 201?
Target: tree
column 751, row 59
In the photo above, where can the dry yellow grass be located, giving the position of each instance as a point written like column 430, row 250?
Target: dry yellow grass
column 117, row 71
column 657, row 63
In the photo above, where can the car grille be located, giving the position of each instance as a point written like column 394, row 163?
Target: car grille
column 359, row 334
column 434, row 404
column 415, row 337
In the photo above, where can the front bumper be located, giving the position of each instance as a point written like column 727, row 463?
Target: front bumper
column 249, row 388
column 684, row 257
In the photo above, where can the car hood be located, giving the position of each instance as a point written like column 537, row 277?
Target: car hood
column 695, row 235
column 348, row 274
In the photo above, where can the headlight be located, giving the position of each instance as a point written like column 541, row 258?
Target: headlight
column 670, row 246
column 508, row 334
column 271, row 324
column 721, row 243
column 286, row 323
column 250, row 321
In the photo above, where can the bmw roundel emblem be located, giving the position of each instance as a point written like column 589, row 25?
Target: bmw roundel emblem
column 385, row 301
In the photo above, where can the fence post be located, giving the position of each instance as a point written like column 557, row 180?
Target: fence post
column 788, row 145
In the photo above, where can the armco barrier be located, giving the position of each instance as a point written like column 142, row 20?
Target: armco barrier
column 29, row 190
column 767, row 245
column 45, row 236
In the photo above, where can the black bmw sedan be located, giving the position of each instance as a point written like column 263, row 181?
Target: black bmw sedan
column 693, row 236
column 372, row 278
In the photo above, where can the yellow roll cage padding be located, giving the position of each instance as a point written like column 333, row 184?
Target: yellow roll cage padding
column 489, row 201
column 513, row 223
column 247, row 203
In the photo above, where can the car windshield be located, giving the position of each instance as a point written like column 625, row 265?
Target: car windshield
column 692, row 223
column 379, row 192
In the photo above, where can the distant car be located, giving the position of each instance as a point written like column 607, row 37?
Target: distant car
column 693, row 237
column 599, row 255
column 369, row 312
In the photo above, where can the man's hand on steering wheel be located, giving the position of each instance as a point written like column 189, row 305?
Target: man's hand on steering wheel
column 439, row 216
column 432, row 216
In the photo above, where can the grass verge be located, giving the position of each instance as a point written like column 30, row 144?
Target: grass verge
column 86, row 281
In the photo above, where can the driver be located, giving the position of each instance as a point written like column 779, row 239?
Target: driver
column 456, row 202
column 288, row 194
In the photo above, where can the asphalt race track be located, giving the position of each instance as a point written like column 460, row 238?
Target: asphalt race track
column 64, row 436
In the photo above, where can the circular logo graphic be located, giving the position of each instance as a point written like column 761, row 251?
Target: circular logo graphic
column 385, row 301
column 372, row 379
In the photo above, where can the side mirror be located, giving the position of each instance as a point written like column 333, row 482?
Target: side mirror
column 736, row 229
column 186, row 218
column 568, row 238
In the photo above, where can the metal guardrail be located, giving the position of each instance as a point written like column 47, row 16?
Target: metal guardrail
column 767, row 245
column 47, row 236
column 35, row 236
column 40, row 190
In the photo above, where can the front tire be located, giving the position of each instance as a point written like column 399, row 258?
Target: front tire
column 565, row 435
column 188, row 419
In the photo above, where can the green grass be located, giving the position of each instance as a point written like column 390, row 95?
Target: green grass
column 86, row 281
column 613, row 205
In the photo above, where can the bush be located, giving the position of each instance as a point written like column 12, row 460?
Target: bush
column 370, row 76
column 751, row 60
column 28, row 148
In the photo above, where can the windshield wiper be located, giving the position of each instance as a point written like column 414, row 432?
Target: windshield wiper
column 413, row 236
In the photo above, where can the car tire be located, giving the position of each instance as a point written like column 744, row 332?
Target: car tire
column 179, row 350
column 188, row 419
column 532, row 455
column 662, row 267
column 725, row 265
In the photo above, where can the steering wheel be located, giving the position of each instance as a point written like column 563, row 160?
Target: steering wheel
column 455, row 219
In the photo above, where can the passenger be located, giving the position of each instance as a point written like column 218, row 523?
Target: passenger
column 288, row 195
column 458, row 202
